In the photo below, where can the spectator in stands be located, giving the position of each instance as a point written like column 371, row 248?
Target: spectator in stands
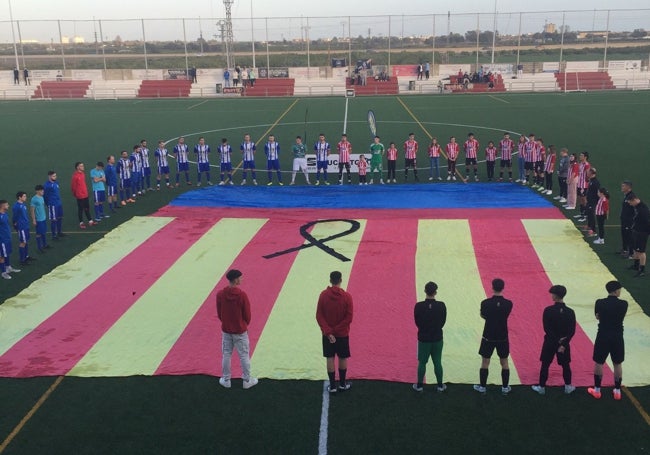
column 244, row 77
column 26, row 77
column 237, row 76
column 226, row 78
column 420, row 71
column 364, row 76
column 193, row 75
column 520, row 71
column 59, row 76
column 16, row 76
column 427, row 70
column 251, row 77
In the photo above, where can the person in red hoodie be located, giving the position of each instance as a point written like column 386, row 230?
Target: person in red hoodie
column 234, row 311
column 334, row 315
column 80, row 192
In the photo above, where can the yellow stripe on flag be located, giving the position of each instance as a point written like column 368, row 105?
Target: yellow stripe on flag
column 140, row 339
column 290, row 344
column 445, row 255
column 568, row 260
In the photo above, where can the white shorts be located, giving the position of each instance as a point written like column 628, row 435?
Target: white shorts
column 300, row 164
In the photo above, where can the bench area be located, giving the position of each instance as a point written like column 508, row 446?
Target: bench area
column 271, row 87
column 374, row 87
column 584, row 81
column 61, row 89
column 173, row 88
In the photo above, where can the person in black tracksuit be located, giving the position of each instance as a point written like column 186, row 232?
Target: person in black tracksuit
column 640, row 233
column 559, row 327
column 430, row 316
column 627, row 218
column 592, row 200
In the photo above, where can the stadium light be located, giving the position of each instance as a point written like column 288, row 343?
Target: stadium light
column 13, row 33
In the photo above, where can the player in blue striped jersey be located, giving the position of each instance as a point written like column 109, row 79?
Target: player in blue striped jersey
column 98, row 180
column 146, row 166
column 248, row 155
column 136, row 171
column 202, row 152
column 111, row 183
column 5, row 241
column 322, row 149
column 225, row 159
column 54, row 205
column 124, row 172
column 20, row 221
column 163, row 164
column 272, row 151
column 182, row 161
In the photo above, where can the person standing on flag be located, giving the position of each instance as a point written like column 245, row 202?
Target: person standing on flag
column 334, row 316
column 234, row 312
column 299, row 160
column 272, row 152
column 225, row 161
column 162, row 161
column 495, row 311
column 559, row 327
column 452, row 155
column 471, row 155
column 430, row 317
column 344, row 148
column 410, row 155
column 202, row 152
column 506, row 146
column 248, row 149
column 182, row 161
column 322, row 149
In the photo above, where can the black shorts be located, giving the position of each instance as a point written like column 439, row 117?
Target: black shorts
column 487, row 348
column 506, row 163
column 612, row 345
column 549, row 350
column 340, row 348
column 640, row 241
column 539, row 166
column 469, row 161
column 529, row 165
column 409, row 162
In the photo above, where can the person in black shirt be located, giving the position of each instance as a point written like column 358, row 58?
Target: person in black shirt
column 640, row 231
column 495, row 311
column 610, row 313
column 559, row 327
column 627, row 218
column 430, row 317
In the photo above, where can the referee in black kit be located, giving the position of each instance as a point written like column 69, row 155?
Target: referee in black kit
column 610, row 313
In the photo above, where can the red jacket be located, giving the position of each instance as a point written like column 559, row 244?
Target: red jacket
column 234, row 310
column 78, row 185
column 334, row 312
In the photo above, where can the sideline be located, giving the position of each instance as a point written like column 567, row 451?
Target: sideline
column 197, row 104
column 637, row 405
column 30, row 414
column 324, row 418
column 498, row 99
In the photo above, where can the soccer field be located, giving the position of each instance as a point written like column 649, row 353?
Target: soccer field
column 190, row 413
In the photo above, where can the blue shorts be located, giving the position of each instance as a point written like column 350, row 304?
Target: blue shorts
column 111, row 190
column 5, row 249
column 163, row 170
column 273, row 164
column 136, row 177
column 249, row 164
column 41, row 228
column 226, row 167
column 55, row 211
column 204, row 167
column 23, row 235
column 321, row 165
column 183, row 167
column 100, row 196
column 126, row 184
column 146, row 171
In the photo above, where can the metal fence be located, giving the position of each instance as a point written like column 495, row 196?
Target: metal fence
column 499, row 37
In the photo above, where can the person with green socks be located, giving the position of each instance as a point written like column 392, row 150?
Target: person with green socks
column 377, row 157
column 430, row 317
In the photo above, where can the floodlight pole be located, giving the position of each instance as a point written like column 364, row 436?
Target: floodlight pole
column 13, row 33
column 494, row 30
column 230, row 63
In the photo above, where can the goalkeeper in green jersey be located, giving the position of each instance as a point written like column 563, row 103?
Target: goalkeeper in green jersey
column 377, row 152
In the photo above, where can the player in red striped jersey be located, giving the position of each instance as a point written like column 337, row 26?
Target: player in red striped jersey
column 345, row 148
column 583, row 184
column 471, row 154
column 540, row 158
column 434, row 158
column 602, row 212
column 521, row 159
column 529, row 157
column 391, row 155
column 410, row 155
column 452, row 155
column 549, row 167
column 506, row 146
column 490, row 159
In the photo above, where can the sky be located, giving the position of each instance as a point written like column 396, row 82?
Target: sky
column 417, row 20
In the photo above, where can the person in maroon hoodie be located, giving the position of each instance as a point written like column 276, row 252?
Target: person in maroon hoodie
column 334, row 315
column 234, row 311
column 80, row 192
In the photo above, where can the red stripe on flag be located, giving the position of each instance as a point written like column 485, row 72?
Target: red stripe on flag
column 198, row 349
column 503, row 250
column 382, row 288
column 55, row 346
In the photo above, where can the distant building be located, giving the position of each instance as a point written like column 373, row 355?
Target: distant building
column 73, row 40
column 598, row 33
column 550, row 28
